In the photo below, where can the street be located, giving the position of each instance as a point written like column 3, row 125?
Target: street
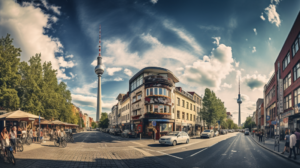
column 97, row 149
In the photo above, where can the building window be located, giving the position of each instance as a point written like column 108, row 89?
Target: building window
column 183, row 114
column 139, row 97
column 182, row 103
column 178, row 101
column 156, row 108
column 286, row 61
column 287, row 81
column 133, row 99
column 137, row 82
column 187, row 116
column 295, row 46
column 147, row 93
column 191, row 106
column 157, row 91
column 178, row 114
column 297, row 96
column 187, row 105
column 297, row 71
column 288, row 102
column 161, row 108
column 160, row 91
column 194, row 117
column 194, row 108
column 191, row 117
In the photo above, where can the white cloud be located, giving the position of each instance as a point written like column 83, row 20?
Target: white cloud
column 262, row 16
column 111, row 71
column 183, row 34
column 242, row 69
column 66, row 64
column 118, row 79
column 273, row 16
column 255, row 81
column 128, row 72
column 86, row 89
column 237, row 64
column 153, row 1
column 91, row 101
column 217, row 40
column 72, row 75
column 214, row 28
column 69, row 56
column 26, row 23
column 55, row 9
column 209, row 71
column 253, row 49
column 225, row 85
column 255, row 31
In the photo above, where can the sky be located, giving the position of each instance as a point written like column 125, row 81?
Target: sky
column 206, row 44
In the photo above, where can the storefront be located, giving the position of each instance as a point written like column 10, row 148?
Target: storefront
column 162, row 127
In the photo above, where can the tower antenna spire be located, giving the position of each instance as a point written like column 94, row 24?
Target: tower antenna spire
column 239, row 85
column 99, row 41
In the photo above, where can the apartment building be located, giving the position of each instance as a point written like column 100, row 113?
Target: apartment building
column 124, row 111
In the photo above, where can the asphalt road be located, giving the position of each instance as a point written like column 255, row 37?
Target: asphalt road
column 235, row 150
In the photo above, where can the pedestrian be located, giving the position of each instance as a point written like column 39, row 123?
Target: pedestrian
column 260, row 136
column 154, row 134
column 292, row 144
column 34, row 135
column 41, row 135
column 297, row 133
column 287, row 142
column 5, row 139
column 30, row 133
column 13, row 135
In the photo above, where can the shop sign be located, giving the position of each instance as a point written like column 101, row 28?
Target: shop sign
column 154, row 123
column 280, row 94
column 288, row 113
column 161, row 120
column 137, row 122
column 268, row 118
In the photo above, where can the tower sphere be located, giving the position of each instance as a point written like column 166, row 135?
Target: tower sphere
column 99, row 69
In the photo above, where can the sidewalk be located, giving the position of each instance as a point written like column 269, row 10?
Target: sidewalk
column 269, row 145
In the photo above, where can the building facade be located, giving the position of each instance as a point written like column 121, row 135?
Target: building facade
column 258, row 112
column 151, row 104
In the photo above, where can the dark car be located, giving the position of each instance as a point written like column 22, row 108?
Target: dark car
column 111, row 131
column 117, row 131
column 127, row 133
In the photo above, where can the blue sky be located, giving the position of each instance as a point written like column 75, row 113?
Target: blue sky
column 204, row 43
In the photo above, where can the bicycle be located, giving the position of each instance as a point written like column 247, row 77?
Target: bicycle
column 70, row 138
column 10, row 156
column 19, row 145
column 62, row 142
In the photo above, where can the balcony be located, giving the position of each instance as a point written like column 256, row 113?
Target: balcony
column 158, row 100
column 157, row 80
column 158, row 115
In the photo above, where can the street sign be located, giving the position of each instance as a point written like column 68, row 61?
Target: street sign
column 268, row 118
column 154, row 123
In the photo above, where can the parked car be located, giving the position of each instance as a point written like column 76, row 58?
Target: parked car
column 217, row 133
column 117, row 131
column 207, row 134
column 174, row 138
column 111, row 131
column 247, row 131
column 127, row 133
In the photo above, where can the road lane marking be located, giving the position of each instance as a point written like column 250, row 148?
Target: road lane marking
column 231, row 144
column 169, row 155
column 198, row 152
column 142, row 151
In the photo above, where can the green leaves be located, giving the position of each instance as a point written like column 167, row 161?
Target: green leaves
column 103, row 123
column 249, row 123
column 213, row 108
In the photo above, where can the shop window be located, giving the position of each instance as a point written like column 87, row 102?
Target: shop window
column 183, row 115
column 191, row 117
column 178, row 114
column 187, row 116
column 287, row 81
column 286, row 61
column 166, row 127
column 178, row 101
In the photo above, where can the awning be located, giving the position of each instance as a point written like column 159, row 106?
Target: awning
column 18, row 115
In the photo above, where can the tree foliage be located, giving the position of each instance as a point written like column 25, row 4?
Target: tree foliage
column 249, row 123
column 103, row 123
column 32, row 86
column 9, row 77
column 213, row 108
column 94, row 125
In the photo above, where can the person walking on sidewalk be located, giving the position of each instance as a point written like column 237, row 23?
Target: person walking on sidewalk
column 260, row 136
column 292, row 144
column 287, row 142
column 297, row 133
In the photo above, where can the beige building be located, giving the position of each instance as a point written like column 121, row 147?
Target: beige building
column 124, row 111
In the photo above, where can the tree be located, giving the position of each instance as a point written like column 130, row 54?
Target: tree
column 249, row 123
column 213, row 108
column 9, row 77
column 230, row 123
column 103, row 123
column 94, row 125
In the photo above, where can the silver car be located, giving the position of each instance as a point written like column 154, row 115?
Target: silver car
column 207, row 134
column 174, row 138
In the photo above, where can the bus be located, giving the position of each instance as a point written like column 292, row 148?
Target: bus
column 246, row 131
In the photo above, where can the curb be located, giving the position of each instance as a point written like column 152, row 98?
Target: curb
column 277, row 153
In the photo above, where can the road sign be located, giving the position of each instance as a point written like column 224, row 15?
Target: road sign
column 268, row 118
column 154, row 123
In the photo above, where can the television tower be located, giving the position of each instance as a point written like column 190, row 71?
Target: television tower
column 99, row 70
column 239, row 101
